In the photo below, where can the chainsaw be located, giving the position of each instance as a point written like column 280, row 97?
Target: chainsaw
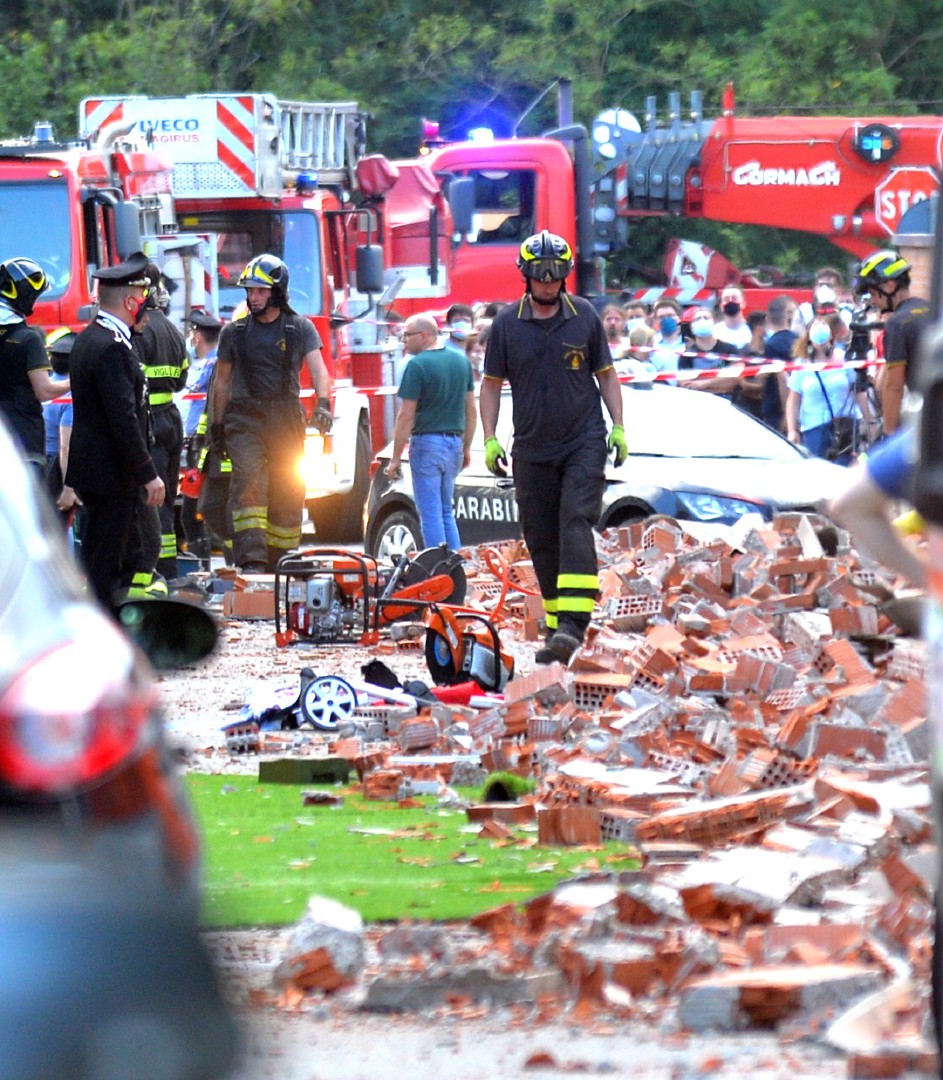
column 327, row 595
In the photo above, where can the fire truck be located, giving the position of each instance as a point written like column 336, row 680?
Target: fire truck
column 78, row 206
column 849, row 179
column 293, row 179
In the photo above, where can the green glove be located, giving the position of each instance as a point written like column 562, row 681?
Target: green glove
column 617, row 443
column 495, row 458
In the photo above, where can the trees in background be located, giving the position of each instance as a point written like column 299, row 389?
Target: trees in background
column 481, row 64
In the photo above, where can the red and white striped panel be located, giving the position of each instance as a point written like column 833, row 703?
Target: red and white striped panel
column 235, row 137
column 99, row 112
column 683, row 296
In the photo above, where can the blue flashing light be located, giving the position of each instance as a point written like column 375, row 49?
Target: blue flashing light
column 481, row 135
column 306, row 183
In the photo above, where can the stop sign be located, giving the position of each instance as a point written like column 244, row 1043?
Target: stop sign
column 896, row 194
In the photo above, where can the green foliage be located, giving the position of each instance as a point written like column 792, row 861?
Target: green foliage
column 490, row 64
column 265, row 854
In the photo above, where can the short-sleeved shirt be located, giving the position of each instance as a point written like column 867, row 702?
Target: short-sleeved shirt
column 902, row 335
column 817, row 408
column 740, row 336
column 891, row 463
column 438, row 380
column 56, row 414
column 22, row 351
column 261, row 368
column 551, row 365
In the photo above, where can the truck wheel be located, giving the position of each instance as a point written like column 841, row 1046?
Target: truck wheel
column 398, row 534
column 340, row 517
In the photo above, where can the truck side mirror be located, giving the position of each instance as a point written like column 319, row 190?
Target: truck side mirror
column 370, row 268
column 462, row 202
column 127, row 229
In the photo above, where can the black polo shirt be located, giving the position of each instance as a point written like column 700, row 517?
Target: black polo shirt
column 902, row 336
column 551, row 366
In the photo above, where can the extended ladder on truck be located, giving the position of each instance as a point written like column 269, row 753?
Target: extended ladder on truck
column 325, row 137
column 238, row 145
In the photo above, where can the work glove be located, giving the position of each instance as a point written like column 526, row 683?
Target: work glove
column 218, row 440
column 496, row 460
column 617, row 443
column 321, row 417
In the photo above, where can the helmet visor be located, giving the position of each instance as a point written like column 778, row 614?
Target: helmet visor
column 547, row 269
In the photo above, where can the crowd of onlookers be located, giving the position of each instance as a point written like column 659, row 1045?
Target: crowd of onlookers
column 695, row 345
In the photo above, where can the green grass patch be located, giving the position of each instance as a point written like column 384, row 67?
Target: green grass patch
column 265, row 854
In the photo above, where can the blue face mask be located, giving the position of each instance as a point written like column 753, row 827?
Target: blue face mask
column 820, row 334
column 668, row 325
column 460, row 330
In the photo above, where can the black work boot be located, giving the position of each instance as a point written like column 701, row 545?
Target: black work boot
column 564, row 643
column 544, row 655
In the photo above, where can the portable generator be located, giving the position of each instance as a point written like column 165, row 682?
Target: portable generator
column 328, row 595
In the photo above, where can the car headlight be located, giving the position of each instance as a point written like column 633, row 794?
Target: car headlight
column 317, row 466
column 701, row 506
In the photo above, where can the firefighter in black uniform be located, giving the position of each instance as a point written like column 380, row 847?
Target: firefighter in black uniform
column 163, row 352
column 110, row 464
column 258, row 415
column 25, row 376
column 551, row 347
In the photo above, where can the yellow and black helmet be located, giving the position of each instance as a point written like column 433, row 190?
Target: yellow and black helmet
column 266, row 272
column 877, row 269
column 545, row 257
column 22, row 282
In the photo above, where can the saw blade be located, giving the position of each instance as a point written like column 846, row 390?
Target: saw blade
column 438, row 560
column 326, row 701
column 439, row 659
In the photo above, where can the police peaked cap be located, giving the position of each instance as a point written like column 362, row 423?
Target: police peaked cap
column 133, row 271
column 203, row 320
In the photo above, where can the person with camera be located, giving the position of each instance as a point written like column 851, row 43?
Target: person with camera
column 884, row 279
column 821, row 412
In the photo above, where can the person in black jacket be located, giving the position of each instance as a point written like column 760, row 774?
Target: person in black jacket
column 162, row 350
column 110, row 464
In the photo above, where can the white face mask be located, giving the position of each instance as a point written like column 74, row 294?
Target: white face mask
column 702, row 328
column 460, row 330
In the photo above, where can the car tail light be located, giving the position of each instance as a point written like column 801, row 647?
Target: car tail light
column 72, row 715
column 374, row 465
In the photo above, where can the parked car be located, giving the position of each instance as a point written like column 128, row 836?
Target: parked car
column 692, row 455
column 102, row 972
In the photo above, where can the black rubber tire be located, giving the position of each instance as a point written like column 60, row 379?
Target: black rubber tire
column 340, row 517
column 398, row 534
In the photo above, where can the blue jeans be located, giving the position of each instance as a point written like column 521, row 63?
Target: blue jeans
column 434, row 463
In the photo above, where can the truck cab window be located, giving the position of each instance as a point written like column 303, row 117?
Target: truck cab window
column 504, row 206
column 22, row 206
column 243, row 234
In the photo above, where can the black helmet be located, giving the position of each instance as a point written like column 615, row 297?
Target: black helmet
column 877, row 269
column 267, row 272
column 545, row 257
column 22, row 282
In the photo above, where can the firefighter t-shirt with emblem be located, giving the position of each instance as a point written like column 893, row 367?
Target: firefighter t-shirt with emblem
column 262, row 368
column 551, row 366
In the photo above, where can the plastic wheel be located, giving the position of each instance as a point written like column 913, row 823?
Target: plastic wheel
column 326, row 701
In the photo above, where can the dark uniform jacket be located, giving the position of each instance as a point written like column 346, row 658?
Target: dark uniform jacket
column 163, row 352
column 109, row 450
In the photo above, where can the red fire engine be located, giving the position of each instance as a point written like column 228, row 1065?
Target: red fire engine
column 291, row 178
column 75, row 207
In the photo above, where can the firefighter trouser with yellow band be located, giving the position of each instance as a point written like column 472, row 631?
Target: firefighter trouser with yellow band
column 266, row 444
column 559, row 503
column 167, row 446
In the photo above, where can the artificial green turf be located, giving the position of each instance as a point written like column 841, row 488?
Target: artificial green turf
column 265, row 854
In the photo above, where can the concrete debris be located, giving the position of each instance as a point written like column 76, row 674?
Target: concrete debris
column 745, row 718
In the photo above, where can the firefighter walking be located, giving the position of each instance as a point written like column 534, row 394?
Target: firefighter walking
column 163, row 354
column 552, row 349
column 258, row 416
